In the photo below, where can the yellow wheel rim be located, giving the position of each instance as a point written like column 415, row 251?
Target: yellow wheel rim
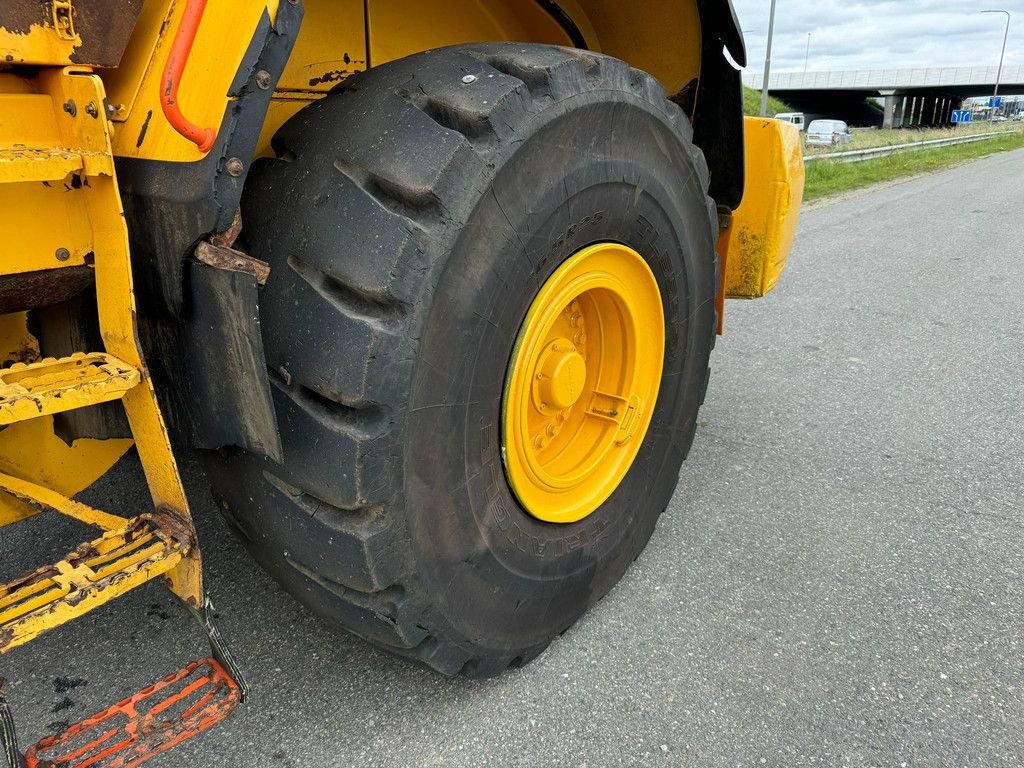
column 582, row 383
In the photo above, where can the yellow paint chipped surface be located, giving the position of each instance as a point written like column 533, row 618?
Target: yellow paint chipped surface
column 40, row 45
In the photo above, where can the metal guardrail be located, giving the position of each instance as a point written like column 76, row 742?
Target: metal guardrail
column 857, row 155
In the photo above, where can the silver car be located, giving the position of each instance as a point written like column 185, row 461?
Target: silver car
column 827, row 133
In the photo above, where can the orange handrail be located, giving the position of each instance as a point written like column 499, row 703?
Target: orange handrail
column 180, row 50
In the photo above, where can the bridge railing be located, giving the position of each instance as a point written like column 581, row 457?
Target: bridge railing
column 883, row 79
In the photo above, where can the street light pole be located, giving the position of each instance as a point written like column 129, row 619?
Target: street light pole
column 767, row 63
column 999, row 72
column 807, row 55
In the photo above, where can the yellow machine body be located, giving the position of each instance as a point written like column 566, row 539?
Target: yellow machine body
column 658, row 36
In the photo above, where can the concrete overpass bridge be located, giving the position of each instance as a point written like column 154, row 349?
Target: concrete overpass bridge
column 913, row 97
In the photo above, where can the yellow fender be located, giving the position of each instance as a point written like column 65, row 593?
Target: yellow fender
column 755, row 247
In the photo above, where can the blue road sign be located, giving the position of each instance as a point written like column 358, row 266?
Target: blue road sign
column 995, row 102
column 961, row 115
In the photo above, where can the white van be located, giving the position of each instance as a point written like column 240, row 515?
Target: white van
column 796, row 118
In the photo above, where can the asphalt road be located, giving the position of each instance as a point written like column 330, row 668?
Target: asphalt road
column 837, row 581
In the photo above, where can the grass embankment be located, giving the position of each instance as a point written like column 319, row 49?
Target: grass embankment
column 752, row 104
column 827, row 177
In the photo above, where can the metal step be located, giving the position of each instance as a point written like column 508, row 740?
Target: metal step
column 18, row 164
column 56, row 385
column 98, row 571
column 142, row 726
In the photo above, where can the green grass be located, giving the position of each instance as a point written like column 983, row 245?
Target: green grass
column 827, row 177
column 877, row 137
column 752, row 104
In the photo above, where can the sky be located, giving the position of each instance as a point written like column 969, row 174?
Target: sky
column 880, row 34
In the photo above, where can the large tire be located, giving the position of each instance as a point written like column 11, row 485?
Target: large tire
column 409, row 220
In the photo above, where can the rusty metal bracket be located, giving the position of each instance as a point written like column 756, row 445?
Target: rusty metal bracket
column 64, row 19
column 227, row 238
column 222, row 257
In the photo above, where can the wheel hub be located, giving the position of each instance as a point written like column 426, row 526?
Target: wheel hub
column 582, row 383
column 561, row 377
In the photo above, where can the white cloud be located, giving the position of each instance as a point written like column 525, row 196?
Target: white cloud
column 878, row 34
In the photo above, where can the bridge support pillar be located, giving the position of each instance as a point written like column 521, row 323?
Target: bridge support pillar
column 901, row 108
column 910, row 111
column 890, row 110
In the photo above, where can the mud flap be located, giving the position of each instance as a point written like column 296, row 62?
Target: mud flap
column 220, row 394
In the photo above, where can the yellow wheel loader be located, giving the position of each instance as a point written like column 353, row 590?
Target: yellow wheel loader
column 432, row 287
